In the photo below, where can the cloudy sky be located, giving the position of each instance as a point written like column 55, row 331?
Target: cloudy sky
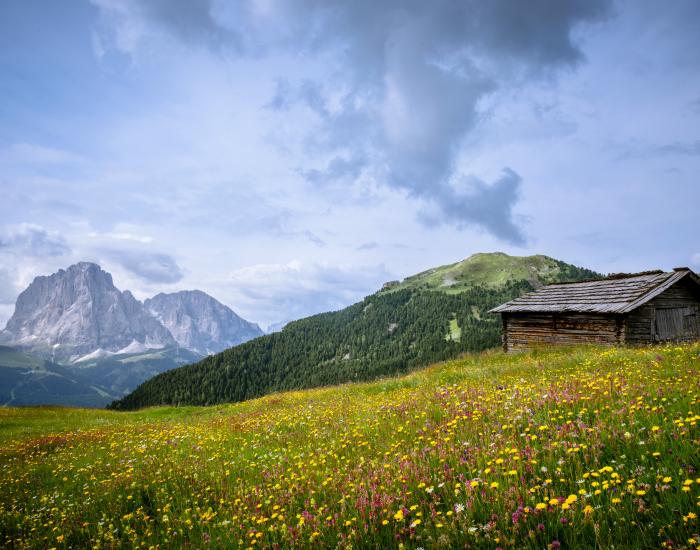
column 289, row 156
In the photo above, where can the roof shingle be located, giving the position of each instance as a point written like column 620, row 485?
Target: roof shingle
column 615, row 294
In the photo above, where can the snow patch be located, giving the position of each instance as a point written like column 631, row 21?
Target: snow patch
column 99, row 353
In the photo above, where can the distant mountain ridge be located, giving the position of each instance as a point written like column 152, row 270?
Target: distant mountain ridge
column 432, row 316
column 200, row 323
column 78, row 314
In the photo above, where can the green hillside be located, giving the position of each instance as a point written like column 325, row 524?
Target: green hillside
column 567, row 448
column 404, row 326
column 491, row 270
column 29, row 380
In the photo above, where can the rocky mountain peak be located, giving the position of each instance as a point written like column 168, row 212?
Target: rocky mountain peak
column 199, row 322
column 77, row 311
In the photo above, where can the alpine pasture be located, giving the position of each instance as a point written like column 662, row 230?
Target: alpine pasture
column 565, row 448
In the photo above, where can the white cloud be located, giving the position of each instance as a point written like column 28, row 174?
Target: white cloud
column 280, row 292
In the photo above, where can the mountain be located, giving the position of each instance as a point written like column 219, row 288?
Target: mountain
column 79, row 311
column 431, row 316
column 75, row 339
column 200, row 323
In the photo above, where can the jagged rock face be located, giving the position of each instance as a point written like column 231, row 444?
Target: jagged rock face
column 77, row 311
column 200, row 323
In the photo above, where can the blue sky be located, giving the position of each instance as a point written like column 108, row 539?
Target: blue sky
column 290, row 156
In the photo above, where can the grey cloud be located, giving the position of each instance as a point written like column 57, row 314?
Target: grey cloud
column 410, row 78
column 636, row 151
column 151, row 267
column 318, row 241
column 33, row 240
column 368, row 246
column 338, row 170
column 486, row 205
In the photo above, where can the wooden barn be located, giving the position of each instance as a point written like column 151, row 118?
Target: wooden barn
column 640, row 308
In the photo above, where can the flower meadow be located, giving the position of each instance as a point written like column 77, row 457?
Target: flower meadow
column 561, row 448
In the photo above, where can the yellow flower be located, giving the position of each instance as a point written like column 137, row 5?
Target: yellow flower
column 588, row 509
column 398, row 516
column 541, row 506
column 667, row 479
column 641, row 492
column 494, row 485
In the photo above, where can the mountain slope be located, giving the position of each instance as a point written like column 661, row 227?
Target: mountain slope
column 200, row 323
column 78, row 311
column 490, row 270
column 404, row 326
column 27, row 380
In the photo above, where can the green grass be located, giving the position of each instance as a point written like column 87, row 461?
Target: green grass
column 581, row 447
column 484, row 269
column 455, row 332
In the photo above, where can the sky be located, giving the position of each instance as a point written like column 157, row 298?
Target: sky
column 290, row 156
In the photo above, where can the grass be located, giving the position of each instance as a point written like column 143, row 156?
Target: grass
column 570, row 448
column 455, row 332
column 487, row 269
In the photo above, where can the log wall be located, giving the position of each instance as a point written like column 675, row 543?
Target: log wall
column 522, row 331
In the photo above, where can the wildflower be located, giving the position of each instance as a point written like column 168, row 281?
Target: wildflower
column 398, row 516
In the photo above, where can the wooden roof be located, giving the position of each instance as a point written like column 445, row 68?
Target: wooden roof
column 615, row 294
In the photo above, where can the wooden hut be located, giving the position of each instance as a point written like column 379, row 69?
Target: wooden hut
column 640, row 308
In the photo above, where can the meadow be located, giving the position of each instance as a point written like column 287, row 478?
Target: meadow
column 564, row 448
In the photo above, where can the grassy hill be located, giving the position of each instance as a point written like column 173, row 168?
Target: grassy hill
column 492, row 270
column 570, row 448
column 432, row 316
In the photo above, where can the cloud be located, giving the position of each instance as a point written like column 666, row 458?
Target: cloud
column 8, row 290
column 403, row 81
column 296, row 289
column 371, row 245
column 149, row 266
column 678, row 148
column 121, row 236
column 487, row 205
column 32, row 240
